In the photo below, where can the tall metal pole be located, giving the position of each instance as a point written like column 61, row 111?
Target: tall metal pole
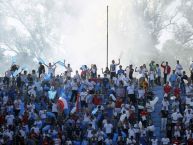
column 107, row 35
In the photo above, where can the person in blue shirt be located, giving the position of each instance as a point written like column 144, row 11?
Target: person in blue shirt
column 120, row 71
column 173, row 78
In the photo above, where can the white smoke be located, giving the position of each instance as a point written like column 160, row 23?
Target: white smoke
column 78, row 31
column 82, row 33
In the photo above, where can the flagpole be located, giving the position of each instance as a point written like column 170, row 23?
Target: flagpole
column 107, row 35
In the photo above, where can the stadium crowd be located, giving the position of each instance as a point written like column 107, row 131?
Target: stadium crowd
column 114, row 109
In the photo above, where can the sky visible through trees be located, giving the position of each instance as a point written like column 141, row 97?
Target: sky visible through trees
column 74, row 30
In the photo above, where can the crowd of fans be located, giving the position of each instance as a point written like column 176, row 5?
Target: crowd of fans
column 114, row 109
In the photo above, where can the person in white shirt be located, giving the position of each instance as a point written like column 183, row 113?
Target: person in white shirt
column 100, row 135
column 22, row 133
column 131, row 132
column 51, row 68
column 175, row 116
column 77, row 76
column 179, row 68
column 113, row 68
column 83, row 95
column 151, row 78
column 177, row 131
column 189, row 89
column 151, row 129
column 131, row 141
column 69, row 70
column 141, row 92
column 130, row 92
column 165, row 141
column 140, row 72
column 154, row 141
column 187, row 117
column 9, row 134
column 42, row 76
column 188, row 133
column 90, row 131
column 57, row 141
column 31, row 107
column 165, row 103
column 9, row 119
column 35, row 129
column 74, row 86
column 108, row 128
column 144, row 71
column 54, row 108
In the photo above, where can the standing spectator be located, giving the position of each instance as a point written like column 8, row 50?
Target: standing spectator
column 51, row 69
column 165, row 140
column 158, row 75
column 173, row 78
column 41, row 69
column 120, row 71
column 131, row 93
column 68, row 69
column 129, row 71
column 182, row 83
column 191, row 72
column 164, row 116
column 108, row 128
column 167, row 70
column 154, row 141
column 144, row 114
column 113, row 68
column 152, row 66
column 106, row 72
column 93, row 71
column 74, row 86
column 177, row 91
column 151, row 78
column 167, row 89
column 179, row 68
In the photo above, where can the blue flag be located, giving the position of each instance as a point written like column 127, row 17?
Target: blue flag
column 51, row 94
column 95, row 111
column 61, row 63
column 17, row 72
